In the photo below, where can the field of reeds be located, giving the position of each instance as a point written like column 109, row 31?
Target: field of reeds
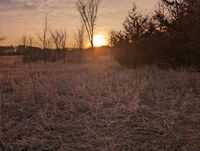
column 98, row 107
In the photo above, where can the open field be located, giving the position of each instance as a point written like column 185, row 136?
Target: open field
column 98, row 107
column 11, row 59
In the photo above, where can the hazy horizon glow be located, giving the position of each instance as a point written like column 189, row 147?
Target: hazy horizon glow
column 26, row 17
column 99, row 40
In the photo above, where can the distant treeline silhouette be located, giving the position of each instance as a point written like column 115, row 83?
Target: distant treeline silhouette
column 31, row 54
column 53, row 44
column 168, row 38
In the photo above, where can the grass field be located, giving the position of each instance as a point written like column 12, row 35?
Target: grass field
column 98, row 107
column 11, row 60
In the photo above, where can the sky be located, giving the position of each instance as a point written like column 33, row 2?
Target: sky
column 26, row 17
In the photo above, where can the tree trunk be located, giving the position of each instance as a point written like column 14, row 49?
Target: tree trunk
column 92, row 44
column 45, row 55
column 64, row 56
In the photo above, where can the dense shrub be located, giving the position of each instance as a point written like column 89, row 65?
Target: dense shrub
column 170, row 38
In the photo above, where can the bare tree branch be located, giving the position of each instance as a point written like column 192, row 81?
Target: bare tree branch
column 59, row 39
column 24, row 41
column 79, row 37
column 88, row 11
column 44, row 39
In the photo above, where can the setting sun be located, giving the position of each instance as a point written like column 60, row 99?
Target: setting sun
column 99, row 41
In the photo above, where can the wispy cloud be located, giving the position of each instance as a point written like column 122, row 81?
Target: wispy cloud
column 36, row 5
column 10, row 5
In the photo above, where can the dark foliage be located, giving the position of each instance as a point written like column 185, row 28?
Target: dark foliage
column 169, row 38
column 35, row 54
column 7, row 51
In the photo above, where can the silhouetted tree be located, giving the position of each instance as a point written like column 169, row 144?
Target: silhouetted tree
column 59, row 39
column 135, row 25
column 161, row 16
column 169, row 39
column 44, row 39
column 116, row 38
column 24, row 41
column 88, row 11
column 79, row 37
column 30, row 40
column 176, row 8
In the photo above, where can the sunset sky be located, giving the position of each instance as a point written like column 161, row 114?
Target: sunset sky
column 20, row 17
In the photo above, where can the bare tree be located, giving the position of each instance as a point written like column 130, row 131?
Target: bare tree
column 30, row 41
column 44, row 39
column 44, row 36
column 24, row 41
column 79, row 37
column 59, row 39
column 63, row 44
column 88, row 11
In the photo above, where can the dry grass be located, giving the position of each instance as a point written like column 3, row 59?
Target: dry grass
column 11, row 60
column 100, row 107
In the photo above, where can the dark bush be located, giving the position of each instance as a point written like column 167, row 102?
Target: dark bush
column 166, row 39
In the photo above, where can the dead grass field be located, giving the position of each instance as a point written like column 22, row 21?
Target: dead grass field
column 98, row 107
column 11, row 60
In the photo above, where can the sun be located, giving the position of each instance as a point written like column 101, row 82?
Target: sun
column 99, row 40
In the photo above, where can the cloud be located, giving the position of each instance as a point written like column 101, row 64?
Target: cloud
column 10, row 5
column 22, row 16
column 36, row 5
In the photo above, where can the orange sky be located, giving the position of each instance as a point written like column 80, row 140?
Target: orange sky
column 20, row 17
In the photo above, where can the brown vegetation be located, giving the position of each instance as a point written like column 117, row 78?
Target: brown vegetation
column 92, row 103
column 98, row 107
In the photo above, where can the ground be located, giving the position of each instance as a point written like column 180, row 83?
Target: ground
column 98, row 107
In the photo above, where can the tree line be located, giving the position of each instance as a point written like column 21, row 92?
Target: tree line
column 168, row 38
column 48, row 39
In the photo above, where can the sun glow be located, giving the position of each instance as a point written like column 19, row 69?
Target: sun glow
column 99, row 41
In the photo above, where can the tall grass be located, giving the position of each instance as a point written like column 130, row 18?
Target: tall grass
column 99, row 107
